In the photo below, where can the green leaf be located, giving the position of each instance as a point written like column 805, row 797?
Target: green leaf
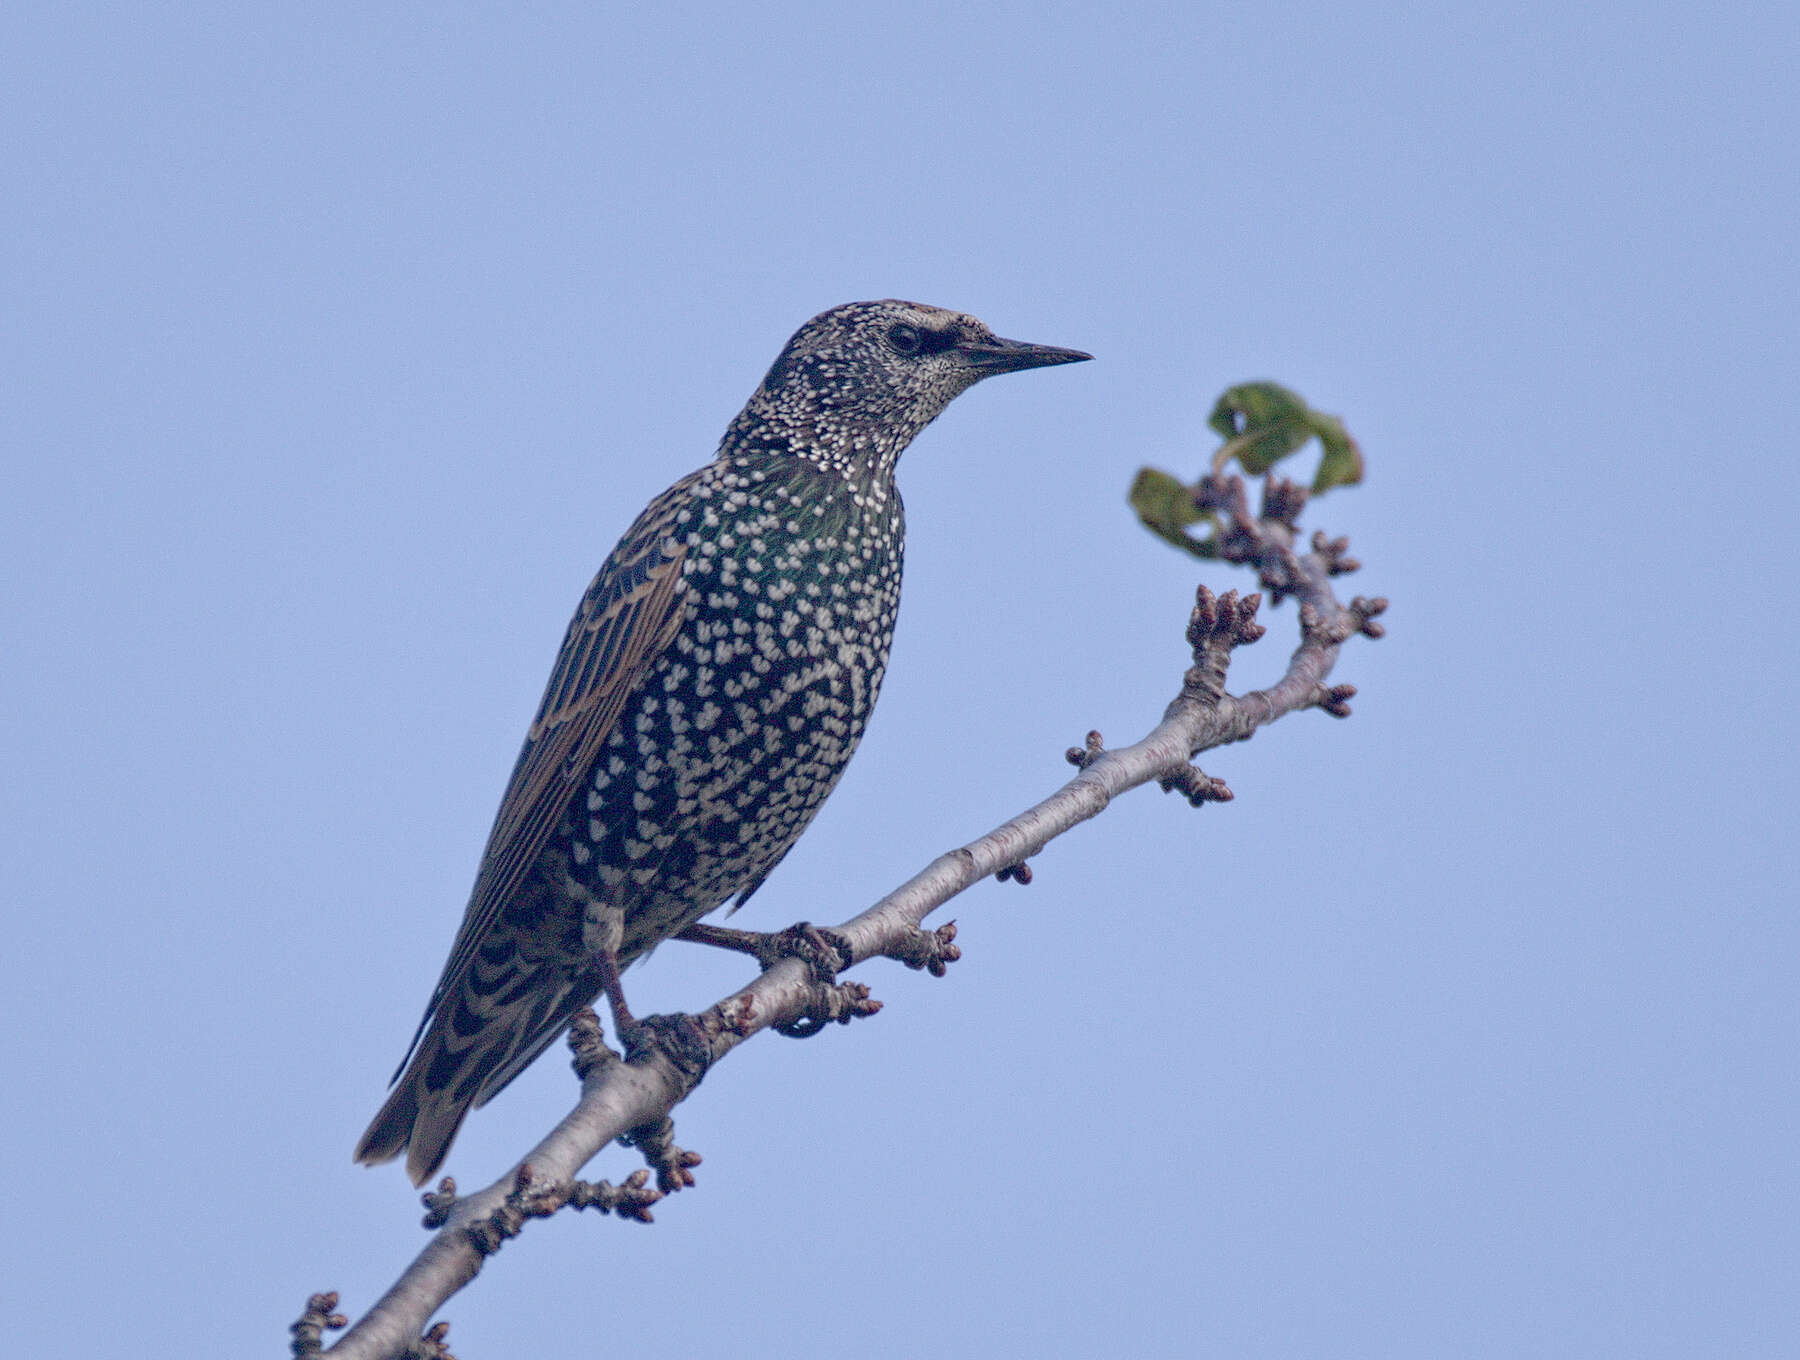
column 1261, row 423
column 1264, row 422
column 1166, row 506
column 1342, row 462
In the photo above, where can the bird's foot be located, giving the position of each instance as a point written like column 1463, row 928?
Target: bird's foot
column 821, row 949
column 825, row 952
column 679, row 1040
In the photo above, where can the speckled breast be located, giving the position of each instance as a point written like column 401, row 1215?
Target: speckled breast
column 730, row 744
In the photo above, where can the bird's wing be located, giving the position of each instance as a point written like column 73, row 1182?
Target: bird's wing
column 627, row 619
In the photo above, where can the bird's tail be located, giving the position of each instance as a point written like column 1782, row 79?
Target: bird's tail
column 480, row 1038
column 393, row 1130
column 418, row 1120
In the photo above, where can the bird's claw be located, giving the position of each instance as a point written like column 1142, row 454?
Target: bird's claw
column 680, row 1040
column 824, row 951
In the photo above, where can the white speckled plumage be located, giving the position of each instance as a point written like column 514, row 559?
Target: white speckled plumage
column 709, row 692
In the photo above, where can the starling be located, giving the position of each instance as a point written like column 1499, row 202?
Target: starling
column 709, row 692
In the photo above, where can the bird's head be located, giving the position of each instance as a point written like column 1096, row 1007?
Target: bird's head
column 860, row 381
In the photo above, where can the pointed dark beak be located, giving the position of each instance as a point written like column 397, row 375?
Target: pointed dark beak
column 995, row 355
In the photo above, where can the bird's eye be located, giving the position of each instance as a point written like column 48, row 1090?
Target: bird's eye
column 905, row 339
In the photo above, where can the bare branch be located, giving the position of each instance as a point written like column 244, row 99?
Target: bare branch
column 630, row 1101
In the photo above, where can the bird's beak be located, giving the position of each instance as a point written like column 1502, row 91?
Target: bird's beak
column 995, row 355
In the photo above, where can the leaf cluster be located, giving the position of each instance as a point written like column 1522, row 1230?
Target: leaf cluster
column 1261, row 423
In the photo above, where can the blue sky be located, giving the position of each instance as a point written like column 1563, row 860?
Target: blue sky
column 344, row 341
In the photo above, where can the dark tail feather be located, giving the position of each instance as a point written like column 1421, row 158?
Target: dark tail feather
column 418, row 1122
column 478, row 1041
column 391, row 1130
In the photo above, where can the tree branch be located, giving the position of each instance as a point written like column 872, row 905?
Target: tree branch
column 631, row 1101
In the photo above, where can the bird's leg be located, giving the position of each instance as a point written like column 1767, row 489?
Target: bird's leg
column 624, row 1022
column 680, row 1039
column 602, row 935
column 822, row 950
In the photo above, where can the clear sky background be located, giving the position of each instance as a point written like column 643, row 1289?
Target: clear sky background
column 341, row 342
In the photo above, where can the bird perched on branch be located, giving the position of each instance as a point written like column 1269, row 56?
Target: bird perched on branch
column 710, row 690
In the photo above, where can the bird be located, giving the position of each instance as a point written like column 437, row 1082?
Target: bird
column 709, row 692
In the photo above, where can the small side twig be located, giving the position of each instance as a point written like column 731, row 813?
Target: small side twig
column 1198, row 787
column 655, row 1141
column 433, row 1345
column 1218, row 626
column 1085, row 755
column 829, row 1003
column 439, row 1203
column 321, row 1315
column 1335, row 553
column 932, row 950
column 589, row 1054
column 1283, row 500
column 535, row 1196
